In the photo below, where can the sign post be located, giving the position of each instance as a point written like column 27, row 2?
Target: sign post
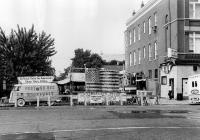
column 85, row 99
column 49, row 101
column 71, row 100
column 38, row 101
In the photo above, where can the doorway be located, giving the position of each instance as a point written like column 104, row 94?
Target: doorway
column 171, row 84
column 184, row 87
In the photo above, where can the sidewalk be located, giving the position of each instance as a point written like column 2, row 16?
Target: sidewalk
column 165, row 101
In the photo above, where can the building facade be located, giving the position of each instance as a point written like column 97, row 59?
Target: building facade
column 162, row 45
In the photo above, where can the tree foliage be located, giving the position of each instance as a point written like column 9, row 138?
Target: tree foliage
column 25, row 53
column 85, row 58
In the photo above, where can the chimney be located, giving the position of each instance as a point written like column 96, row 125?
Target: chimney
column 133, row 13
column 142, row 4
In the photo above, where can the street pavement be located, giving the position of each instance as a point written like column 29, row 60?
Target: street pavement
column 154, row 122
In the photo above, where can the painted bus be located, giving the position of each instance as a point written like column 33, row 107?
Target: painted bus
column 29, row 88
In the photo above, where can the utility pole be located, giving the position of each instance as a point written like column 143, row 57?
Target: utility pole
column 70, row 86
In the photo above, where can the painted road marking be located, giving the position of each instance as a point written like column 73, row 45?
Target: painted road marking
column 110, row 128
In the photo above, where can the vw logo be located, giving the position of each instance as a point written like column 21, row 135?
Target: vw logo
column 195, row 91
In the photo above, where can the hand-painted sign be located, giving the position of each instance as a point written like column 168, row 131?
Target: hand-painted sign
column 35, row 79
column 96, row 98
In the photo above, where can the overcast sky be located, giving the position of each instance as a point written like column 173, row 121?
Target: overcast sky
column 97, row 25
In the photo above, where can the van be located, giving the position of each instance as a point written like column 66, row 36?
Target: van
column 194, row 89
column 23, row 93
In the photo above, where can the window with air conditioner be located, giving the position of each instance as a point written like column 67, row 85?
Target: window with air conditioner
column 194, row 42
column 194, row 9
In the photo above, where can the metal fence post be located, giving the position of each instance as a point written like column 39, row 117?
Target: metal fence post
column 121, row 102
column 49, row 101
column 71, row 100
column 15, row 102
column 38, row 101
column 85, row 99
column 107, row 101
column 142, row 101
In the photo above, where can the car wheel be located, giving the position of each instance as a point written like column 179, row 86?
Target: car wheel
column 20, row 102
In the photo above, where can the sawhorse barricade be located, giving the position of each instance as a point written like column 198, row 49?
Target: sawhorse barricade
column 145, row 97
column 142, row 98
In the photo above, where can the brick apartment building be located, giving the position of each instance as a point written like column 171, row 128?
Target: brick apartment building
column 163, row 45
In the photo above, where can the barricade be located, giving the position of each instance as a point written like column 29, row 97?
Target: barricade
column 145, row 97
column 141, row 98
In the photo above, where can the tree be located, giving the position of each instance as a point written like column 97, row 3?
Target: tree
column 85, row 58
column 113, row 62
column 25, row 53
column 63, row 75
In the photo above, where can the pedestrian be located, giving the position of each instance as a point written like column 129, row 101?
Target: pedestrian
column 170, row 92
column 156, row 100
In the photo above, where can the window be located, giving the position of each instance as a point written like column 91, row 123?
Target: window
column 130, row 38
column 144, row 27
column 155, row 50
column 144, row 52
column 155, row 19
column 194, row 9
column 126, row 37
column 138, row 32
column 194, row 83
column 149, row 28
column 139, row 55
column 134, row 58
column 164, row 80
column 150, row 52
column 150, row 74
column 156, row 73
column 130, row 59
column 194, row 42
column 134, row 35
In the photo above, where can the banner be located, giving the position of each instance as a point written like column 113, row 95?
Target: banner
column 96, row 98
column 35, row 79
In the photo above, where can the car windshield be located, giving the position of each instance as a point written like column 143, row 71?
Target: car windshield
column 16, row 88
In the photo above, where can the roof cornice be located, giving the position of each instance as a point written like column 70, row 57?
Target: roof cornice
column 147, row 7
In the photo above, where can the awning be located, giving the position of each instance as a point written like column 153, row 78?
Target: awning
column 65, row 81
column 138, row 80
column 74, row 77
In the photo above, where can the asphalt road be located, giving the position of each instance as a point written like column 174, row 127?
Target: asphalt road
column 163, row 122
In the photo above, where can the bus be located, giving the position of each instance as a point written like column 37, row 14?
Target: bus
column 29, row 88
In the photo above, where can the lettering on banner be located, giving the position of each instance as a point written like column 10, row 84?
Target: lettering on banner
column 35, row 79
column 96, row 97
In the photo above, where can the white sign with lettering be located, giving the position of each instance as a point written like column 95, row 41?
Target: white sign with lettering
column 35, row 79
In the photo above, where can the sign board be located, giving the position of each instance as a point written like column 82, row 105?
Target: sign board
column 81, row 97
column 35, row 79
column 96, row 98
column 172, row 53
column 114, row 97
column 144, row 93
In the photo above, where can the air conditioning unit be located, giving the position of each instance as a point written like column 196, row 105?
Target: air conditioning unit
column 154, row 28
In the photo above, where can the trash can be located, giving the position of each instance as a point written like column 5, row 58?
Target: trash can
column 179, row 96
